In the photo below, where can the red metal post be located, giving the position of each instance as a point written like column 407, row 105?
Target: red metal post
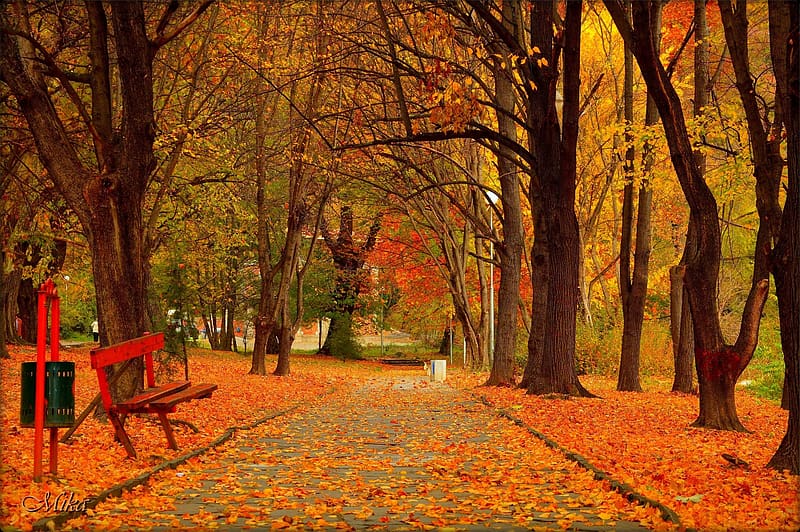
column 39, row 406
column 55, row 325
column 55, row 341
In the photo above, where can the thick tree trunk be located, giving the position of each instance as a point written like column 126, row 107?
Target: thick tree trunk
column 786, row 256
column 719, row 368
column 258, row 362
column 558, row 373
column 348, row 259
column 555, row 174
column 345, row 296
column 717, row 373
column 119, row 269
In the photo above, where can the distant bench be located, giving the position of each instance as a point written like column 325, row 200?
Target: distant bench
column 160, row 400
column 402, row 361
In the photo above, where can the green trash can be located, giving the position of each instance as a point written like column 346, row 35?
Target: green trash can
column 59, row 394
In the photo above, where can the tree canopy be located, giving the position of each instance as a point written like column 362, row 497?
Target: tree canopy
column 483, row 161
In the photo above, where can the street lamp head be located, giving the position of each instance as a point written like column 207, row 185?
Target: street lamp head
column 492, row 197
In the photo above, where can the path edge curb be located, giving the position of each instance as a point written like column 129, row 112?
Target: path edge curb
column 60, row 519
column 667, row 514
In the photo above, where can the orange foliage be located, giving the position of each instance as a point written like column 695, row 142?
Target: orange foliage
column 644, row 439
column 415, row 273
column 640, row 439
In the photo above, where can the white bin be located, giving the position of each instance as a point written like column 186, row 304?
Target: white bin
column 438, row 370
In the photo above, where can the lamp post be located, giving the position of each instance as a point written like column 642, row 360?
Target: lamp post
column 493, row 200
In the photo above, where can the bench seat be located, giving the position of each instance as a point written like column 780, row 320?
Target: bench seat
column 140, row 401
column 168, row 402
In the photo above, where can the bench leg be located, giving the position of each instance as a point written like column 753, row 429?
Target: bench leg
column 168, row 431
column 122, row 436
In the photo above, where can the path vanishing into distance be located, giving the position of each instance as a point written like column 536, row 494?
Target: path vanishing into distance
column 396, row 453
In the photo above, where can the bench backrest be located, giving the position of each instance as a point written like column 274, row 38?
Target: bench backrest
column 117, row 353
column 114, row 354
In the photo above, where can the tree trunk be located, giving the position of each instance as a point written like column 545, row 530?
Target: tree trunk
column 282, row 367
column 119, row 268
column 3, row 313
column 681, row 331
column 11, row 292
column 540, row 280
column 444, row 345
column 264, row 321
column 274, row 343
column 510, row 254
column 718, row 365
column 765, row 145
column 335, row 327
column 635, row 293
column 258, row 362
column 786, row 256
column 556, row 158
column 509, row 251
column 345, row 295
column 633, row 285
column 26, row 310
column 285, row 341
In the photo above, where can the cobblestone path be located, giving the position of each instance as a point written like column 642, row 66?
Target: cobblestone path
column 395, row 453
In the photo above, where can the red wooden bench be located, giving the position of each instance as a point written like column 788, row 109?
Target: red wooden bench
column 160, row 400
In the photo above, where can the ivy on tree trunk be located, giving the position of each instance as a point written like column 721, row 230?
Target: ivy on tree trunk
column 349, row 258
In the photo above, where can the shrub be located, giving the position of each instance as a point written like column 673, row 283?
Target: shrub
column 768, row 382
column 597, row 350
column 766, row 371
